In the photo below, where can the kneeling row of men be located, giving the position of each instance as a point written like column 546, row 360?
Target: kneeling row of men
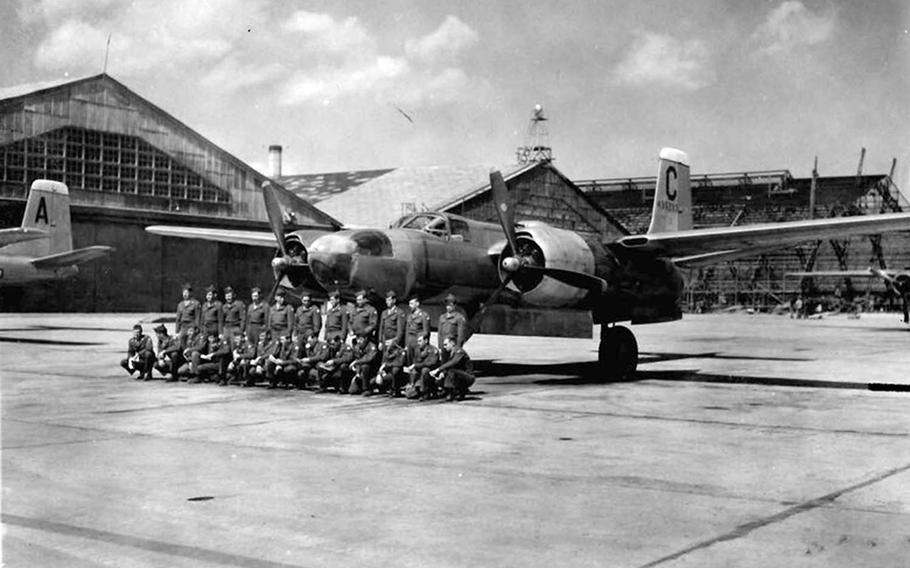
column 423, row 372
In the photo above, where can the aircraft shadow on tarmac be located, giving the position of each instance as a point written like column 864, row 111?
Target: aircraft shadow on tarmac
column 587, row 372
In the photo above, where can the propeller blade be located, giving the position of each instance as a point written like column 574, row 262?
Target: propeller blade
column 570, row 277
column 503, row 209
column 273, row 210
column 884, row 275
column 475, row 322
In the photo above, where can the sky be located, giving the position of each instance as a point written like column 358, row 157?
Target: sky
column 347, row 85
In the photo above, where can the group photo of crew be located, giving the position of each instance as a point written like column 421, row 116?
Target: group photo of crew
column 342, row 348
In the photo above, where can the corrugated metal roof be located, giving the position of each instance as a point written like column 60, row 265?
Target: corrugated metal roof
column 384, row 198
column 316, row 187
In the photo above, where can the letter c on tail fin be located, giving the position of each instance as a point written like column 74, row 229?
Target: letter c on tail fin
column 672, row 197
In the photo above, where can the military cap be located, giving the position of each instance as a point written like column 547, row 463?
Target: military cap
column 256, row 289
column 280, row 292
column 137, row 326
column 228, row 290
column 187, row 286
column 160, row 328
column 391, row 294
column 450, row 298
column 210, row 288
column 334, row 294
column 362, row 292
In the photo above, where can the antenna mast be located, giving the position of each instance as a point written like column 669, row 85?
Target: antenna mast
column 537, row 146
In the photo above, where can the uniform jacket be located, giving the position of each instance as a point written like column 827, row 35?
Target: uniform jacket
column 426, row 357
column 219, row 349
column 189, row 312
column 212, row 314
column 246, row 350
column 197, row 343
column 141, row 345
column 363, row 320
column 336, row 322
column 344, row 355
column 391, row 325
column 169, row 345
column 417, row 323
column 459, row 360
column 453, row 325
column 309, row 320
column 365, row 353
column 233, row 314
column 282, row 317
column 393, row 355
column 256, row 314
column 318, row 352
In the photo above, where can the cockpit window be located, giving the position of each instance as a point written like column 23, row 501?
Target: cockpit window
column 460, row 229
column 428, row 223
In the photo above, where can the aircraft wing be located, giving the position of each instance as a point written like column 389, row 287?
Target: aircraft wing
column 754, row 239
column 20, row 234
column 69, row 258
column 235, row 236
column 868, row 273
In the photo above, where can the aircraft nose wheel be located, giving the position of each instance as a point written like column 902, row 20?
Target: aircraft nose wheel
column 618, row 354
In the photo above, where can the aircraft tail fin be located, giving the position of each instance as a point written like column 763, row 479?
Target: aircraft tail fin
column 47, row 210
column 673, row 195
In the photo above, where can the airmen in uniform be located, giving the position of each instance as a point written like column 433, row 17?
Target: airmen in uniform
column 452, row 323
column 308, row 318
column 196, row 345
column 239, row 367
column 233, row 315
column 389, row 376
column 212, row 316
column 168, row 360
column 363, row 318
column 336, row 318
column 426, row 357
column 279, row 365
column 456, row 371
column 416, row 324
column 392, row 320
column 314, row 353
column 140, row 355
column 189, row 312
column 257, row 314
column 281, row 316
column 213, row 363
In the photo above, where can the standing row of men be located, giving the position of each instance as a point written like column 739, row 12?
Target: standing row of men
column 234, row 344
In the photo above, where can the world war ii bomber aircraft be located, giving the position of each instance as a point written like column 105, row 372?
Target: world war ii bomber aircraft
column 530, row 264
column 42, row 248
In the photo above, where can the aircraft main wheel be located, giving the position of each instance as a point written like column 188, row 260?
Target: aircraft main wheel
column 618, row 354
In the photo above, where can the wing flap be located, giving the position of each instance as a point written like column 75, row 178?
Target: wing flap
column 69, row 258
column 749, row 238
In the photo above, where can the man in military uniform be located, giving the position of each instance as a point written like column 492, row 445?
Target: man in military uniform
column 281, row 316
column 365, row 354
column 426, row 358
column 308, row 318
column 389, row 376
column 417, row 323
column 232, row 317
column 244, row 352
column 279, row 361
column 213, row 364
column 314, row 353
column 336, row 371
column 140, row 355
column 391, row 322
column 256, row 371
column 257, row 314
column 212, row 316
column 168, row 359
column 452, row 323
column 196, row 345
column 336, row 318
column 189, row 312
column 363, row 318
column 456, row 371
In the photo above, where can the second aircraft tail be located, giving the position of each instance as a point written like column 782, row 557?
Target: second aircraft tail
column 673, row 195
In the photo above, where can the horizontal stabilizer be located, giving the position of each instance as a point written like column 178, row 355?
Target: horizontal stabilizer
column 235, row 236
column 757, row 238
column 20, row 234
column 69, row 258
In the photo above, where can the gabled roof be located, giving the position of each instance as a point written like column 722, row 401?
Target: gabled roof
column 385, row 195
column 316, row 187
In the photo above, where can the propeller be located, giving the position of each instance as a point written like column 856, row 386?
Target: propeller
column 900, row 284
column 280, row 264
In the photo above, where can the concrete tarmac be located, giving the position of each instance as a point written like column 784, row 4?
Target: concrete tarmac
column 746, row 441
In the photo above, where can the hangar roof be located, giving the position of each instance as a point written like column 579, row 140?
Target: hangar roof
column 379, row 197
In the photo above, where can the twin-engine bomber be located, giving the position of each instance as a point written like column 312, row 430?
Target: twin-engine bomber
column 530, row 264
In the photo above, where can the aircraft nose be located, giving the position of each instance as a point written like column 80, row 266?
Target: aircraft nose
column 331, row 260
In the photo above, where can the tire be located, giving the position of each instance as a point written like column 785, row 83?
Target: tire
column 618, row 354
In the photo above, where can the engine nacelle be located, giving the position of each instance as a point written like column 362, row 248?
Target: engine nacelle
column 551, row 248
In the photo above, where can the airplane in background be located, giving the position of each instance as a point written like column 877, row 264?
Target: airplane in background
column 897, row 281
column 530, row 265
column 42, row 248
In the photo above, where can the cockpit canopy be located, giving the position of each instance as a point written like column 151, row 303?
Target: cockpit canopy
column 438, row 224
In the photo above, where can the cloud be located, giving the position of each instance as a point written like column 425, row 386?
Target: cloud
column 327, row 83
column 451, row 37
column 656, row 59
column 232, row 75
column 792, row 24
column 321, row 33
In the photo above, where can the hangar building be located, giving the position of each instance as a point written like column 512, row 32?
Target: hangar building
column 129, row 164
